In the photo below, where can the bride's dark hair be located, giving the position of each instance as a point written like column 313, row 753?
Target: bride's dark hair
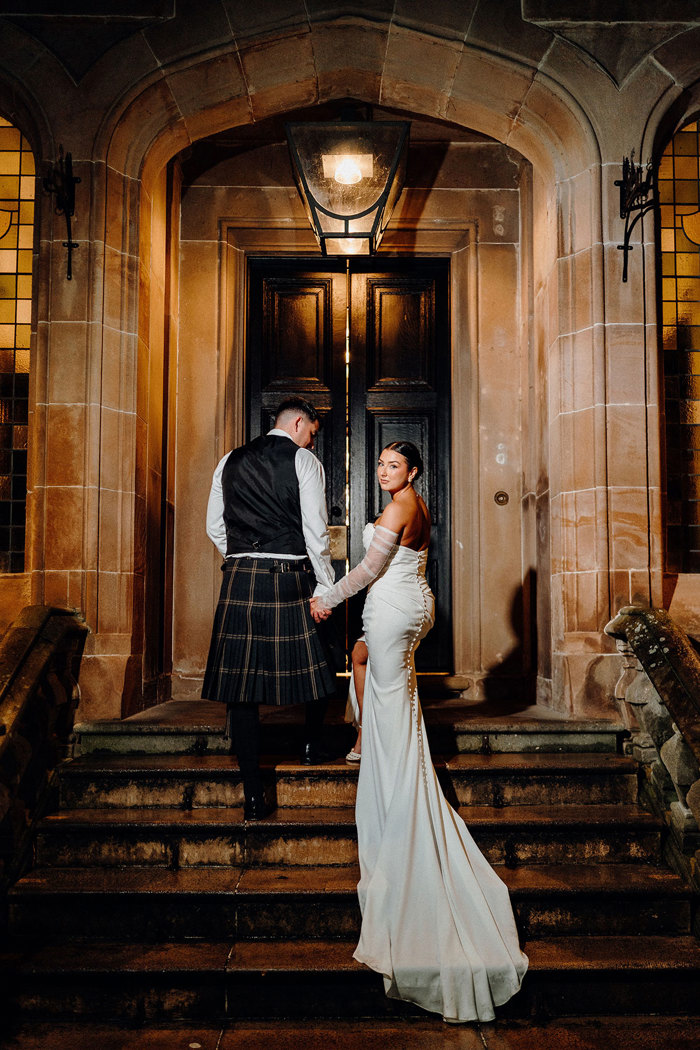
column 410, row 453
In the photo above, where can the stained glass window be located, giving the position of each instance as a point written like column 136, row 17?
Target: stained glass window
column 679, row 204
column 16, row 243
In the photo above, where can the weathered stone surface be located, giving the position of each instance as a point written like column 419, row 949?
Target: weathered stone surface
column 257, row 979
column 669, row 708
column 196, row 727
column 644, row 754
column 685, row 830
column 307, row 902
column 680, row 763
column 618, row 49
column 651, row 713
column 205, row 781
column 39, row 655
column 661, row 780
column 516, row 834
column 693, row 801
column 673, row 1033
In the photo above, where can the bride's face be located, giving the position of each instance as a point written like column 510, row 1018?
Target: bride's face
column 393, row 472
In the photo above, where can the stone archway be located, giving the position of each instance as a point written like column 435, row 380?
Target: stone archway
column 566, row 489
column 227, row 218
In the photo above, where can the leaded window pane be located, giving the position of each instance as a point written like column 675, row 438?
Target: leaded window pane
column 17, row 180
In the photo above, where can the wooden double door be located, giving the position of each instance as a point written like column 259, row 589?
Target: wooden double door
column 367, row 342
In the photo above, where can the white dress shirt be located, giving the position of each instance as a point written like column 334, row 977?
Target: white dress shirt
column 314, row 515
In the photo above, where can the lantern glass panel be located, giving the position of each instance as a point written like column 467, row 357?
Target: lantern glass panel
column 350, row 176
column 345, row 166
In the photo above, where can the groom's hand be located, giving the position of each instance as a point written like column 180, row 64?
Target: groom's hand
column 317, row 611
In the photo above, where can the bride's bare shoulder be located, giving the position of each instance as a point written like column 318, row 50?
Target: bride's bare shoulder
column 394, row 517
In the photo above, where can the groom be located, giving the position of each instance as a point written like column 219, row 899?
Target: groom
column 267, row 516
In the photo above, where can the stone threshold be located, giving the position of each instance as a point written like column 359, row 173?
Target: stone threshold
column 197, row 726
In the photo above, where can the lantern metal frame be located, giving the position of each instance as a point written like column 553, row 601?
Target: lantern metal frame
column 313, row 206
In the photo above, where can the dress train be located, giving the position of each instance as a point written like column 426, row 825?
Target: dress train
column 436, row 919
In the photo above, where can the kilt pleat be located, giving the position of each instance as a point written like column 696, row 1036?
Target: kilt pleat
column 265, row 647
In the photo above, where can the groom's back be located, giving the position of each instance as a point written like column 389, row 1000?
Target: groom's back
column 260, row 487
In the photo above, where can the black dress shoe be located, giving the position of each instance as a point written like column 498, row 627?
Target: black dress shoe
column 313, row 755
column 256, row 808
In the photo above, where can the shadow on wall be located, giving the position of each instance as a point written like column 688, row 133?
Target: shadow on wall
column 509, row 684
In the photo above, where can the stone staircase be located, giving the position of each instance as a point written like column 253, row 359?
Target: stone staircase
column 152, row 901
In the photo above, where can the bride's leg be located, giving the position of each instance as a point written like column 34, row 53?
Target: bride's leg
column 359, row 672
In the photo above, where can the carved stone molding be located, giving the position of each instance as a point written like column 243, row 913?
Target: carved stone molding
column 654, row 648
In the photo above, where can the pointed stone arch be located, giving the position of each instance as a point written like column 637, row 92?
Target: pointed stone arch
column 514, row 102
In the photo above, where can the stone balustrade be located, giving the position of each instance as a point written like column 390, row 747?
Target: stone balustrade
column 659, row 696
column 39, row 658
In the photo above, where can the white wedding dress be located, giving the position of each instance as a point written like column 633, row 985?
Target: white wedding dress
column 436, row 919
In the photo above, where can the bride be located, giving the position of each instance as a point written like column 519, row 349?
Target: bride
column 436, row 919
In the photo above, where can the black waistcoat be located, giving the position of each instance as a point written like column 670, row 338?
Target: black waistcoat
column 262, row 511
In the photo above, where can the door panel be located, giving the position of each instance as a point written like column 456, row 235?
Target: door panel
column 399, row 388
column 296, row 345
column 295, row 314
column 399, row 331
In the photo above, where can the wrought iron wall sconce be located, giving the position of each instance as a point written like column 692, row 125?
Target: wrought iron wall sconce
column 637, row 197
column 62, row 182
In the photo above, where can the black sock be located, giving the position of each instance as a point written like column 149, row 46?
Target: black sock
column 244, row 722
column 315, row 713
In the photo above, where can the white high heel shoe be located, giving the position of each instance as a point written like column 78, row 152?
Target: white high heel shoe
column 353, row 755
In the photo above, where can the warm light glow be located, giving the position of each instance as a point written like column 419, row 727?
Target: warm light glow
column 679, row 227
column 347, row 168
column 347, row 172
column 349, row 245
column 17, row 185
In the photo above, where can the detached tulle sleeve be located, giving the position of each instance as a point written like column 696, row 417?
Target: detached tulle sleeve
column 378, row 553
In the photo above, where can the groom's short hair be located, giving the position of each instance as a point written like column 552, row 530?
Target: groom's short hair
column 295, row 406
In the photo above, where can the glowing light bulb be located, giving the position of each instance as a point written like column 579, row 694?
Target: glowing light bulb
column 347, row 172
column 347, row 169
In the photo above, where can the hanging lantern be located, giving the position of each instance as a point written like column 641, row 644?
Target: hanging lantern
column 349, row 175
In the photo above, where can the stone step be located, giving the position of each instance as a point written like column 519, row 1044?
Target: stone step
column 321, row 902
column 194, row 781
column 177, row 838
column 88, row 1033
column 213, row 981
column 567, row 1033
column 600, row 1033
column 196, row 727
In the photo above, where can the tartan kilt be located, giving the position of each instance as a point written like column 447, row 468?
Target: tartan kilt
column 265, row 647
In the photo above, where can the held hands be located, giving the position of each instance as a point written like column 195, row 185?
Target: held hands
column 318, row 612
